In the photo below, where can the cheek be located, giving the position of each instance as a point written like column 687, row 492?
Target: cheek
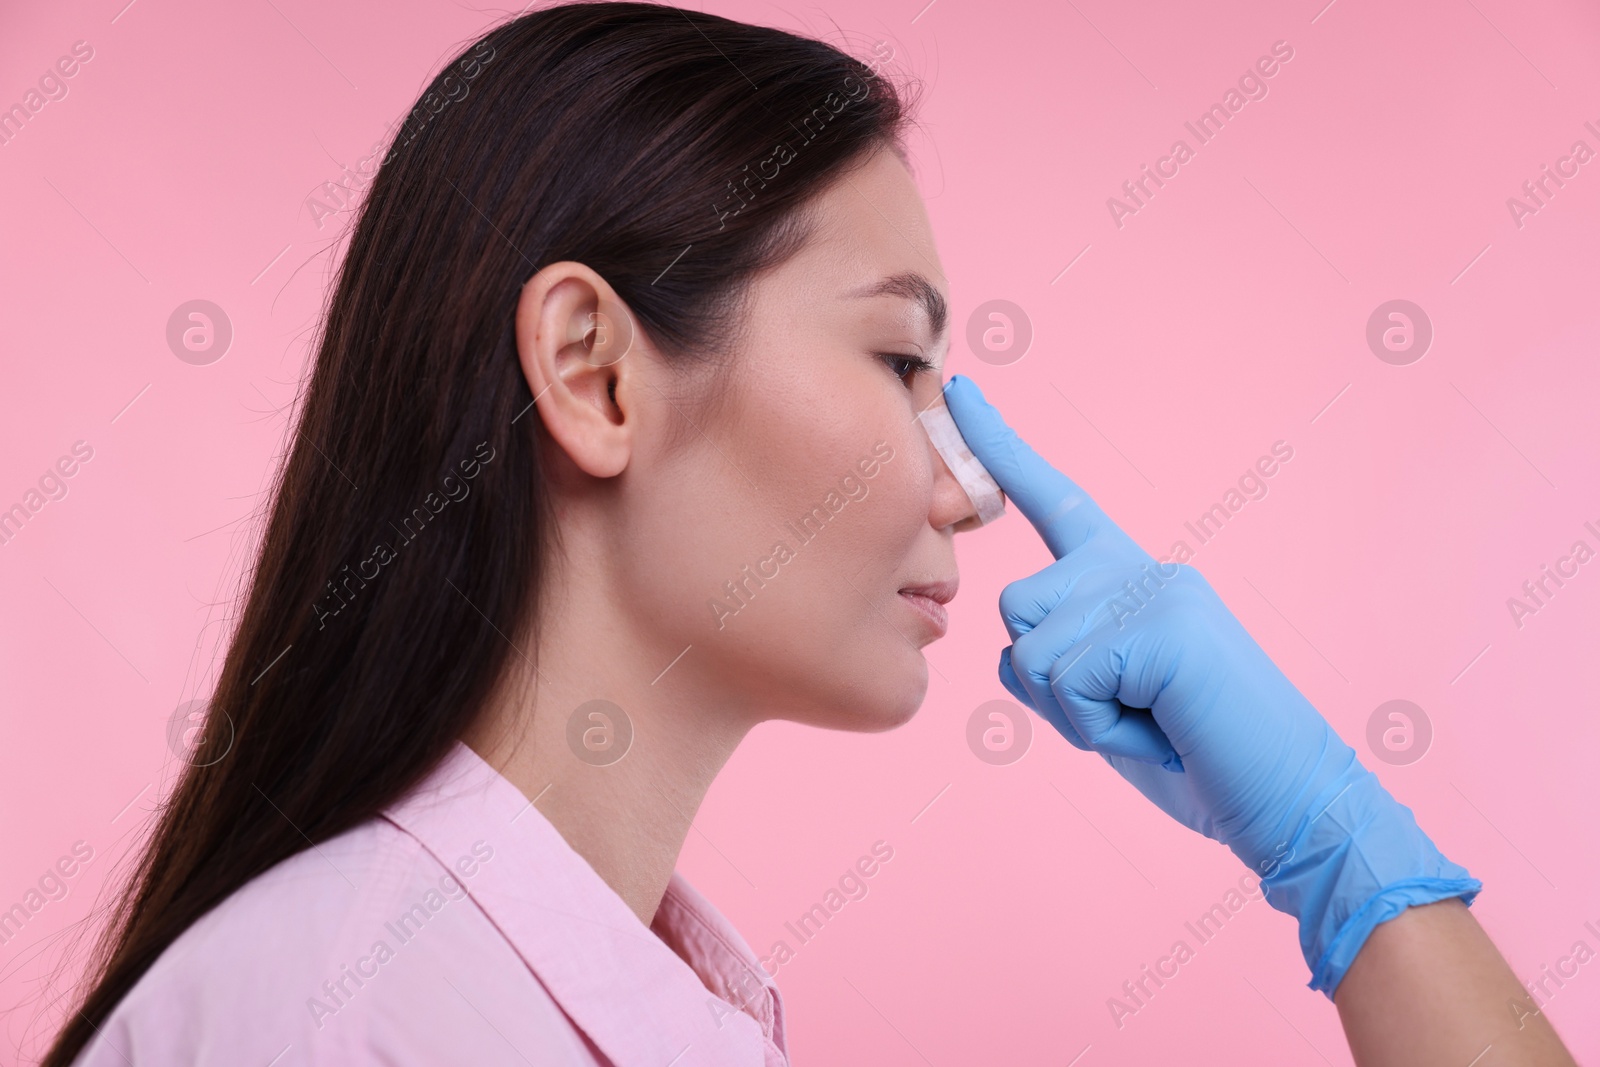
column 818, row 466
column 819, row 641
column 756, row 552
column 772, row 517
column 806, row 451
column 827, row 610
column 899, row 494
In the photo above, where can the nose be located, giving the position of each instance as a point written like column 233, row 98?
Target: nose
column 950, row 507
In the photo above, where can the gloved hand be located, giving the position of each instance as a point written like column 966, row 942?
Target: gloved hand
column 1144, row 664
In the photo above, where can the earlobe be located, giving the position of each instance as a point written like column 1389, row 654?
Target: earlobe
column 573, row 337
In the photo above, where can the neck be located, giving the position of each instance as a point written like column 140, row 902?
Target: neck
column 627, row 818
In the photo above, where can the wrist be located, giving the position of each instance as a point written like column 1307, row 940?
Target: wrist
column 1357, row 859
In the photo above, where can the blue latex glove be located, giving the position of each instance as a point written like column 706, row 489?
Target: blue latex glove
column 1144, row 664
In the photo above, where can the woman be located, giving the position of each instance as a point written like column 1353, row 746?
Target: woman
column 637, row 290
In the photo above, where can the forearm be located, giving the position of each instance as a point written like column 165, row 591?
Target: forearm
column 1429, row 987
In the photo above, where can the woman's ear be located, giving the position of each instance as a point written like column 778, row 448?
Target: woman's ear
column 573, row 334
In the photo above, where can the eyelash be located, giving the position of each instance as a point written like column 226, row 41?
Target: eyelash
column 916, row 364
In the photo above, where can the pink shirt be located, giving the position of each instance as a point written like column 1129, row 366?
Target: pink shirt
column 457, row 928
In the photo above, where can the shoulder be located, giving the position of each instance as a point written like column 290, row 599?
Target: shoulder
column 344, row 953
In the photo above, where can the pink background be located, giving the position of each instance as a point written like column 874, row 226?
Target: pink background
column 1227, row 314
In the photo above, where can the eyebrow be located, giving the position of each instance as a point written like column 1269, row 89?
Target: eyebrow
column 912, row 286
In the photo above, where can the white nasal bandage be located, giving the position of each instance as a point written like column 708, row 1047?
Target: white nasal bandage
column 980, row 486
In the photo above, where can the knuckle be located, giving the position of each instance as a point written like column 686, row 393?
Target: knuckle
column 1029, row 657
column 1014, row 600
column 1057, row 675
column 1191, row 578
column 1074, row 739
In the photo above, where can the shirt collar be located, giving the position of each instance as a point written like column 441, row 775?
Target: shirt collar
column 622, row 984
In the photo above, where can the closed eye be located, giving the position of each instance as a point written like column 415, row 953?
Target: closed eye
column 905, row 367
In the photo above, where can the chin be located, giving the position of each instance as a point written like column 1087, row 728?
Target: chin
column 862, row 682
column 890, row 719
column 890, row 702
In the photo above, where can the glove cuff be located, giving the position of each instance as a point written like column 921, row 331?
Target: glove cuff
column 1357, row 859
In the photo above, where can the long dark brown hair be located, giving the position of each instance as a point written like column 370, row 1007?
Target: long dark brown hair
column 669, row 150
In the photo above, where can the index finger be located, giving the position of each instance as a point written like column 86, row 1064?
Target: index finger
column 1064, row 514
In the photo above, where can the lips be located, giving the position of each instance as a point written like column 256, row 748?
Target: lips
column 941, row 591
column 928, row 600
